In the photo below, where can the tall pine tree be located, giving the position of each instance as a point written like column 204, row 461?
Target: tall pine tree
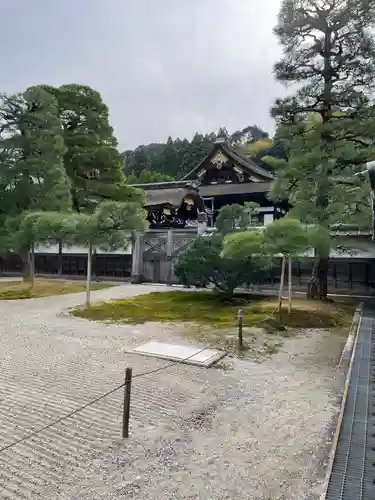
column 32, row 149
column 328, row 123
column 32, row 173
column 92, row 160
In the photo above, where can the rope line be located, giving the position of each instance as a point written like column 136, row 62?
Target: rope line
column 96, row 400
column 112, row 391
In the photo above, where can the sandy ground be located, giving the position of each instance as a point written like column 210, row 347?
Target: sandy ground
column 245, row 430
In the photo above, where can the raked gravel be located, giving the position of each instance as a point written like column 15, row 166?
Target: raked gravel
column 244, row 431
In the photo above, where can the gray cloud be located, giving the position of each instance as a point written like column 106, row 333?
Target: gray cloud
column 166, row 67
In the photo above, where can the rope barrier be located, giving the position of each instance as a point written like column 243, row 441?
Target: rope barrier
column 112, row 391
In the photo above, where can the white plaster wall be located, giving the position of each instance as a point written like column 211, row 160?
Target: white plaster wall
column 54, row 249
column 268, row 218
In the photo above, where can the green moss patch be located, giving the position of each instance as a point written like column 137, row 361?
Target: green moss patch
column 212, row 309
column 13, row 290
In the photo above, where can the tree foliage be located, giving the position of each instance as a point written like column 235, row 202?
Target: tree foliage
column 287, row 236
column 147, row 177
column 235, row 217
column 32, row 174
column 238, row 245
column 178, row 156
column 31, row 228
column 92, row 160
column 327, row 125
column 57, row 149
column 111, row 225
column 205, row 262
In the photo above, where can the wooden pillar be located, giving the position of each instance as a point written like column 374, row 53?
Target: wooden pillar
column 169, row 255
column 335, row 274
column 202, row 222
column 137, row 259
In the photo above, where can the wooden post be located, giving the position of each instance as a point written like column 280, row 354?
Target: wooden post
column 289, row 284
column 282, row 279
column 169, row 252
column 32, row 265
column 240, row 328
column 93, row 264
column 137, row 258
column 60, row 257
column 127, row 393
column 88, row 284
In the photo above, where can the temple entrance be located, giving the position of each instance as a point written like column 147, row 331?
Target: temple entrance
column 156, row 252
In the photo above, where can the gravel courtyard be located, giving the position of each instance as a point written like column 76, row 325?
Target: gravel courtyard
column 243, row 431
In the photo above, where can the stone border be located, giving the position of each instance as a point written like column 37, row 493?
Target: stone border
column 347, row 357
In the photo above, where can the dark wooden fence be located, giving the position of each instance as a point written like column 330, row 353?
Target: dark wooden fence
column 355, row 275
column 108, row 265
column 344, row 274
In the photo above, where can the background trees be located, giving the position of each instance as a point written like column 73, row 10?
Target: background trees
column 177, row 157
column 327, row 125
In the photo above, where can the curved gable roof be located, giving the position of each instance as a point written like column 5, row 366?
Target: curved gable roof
column 246, row 163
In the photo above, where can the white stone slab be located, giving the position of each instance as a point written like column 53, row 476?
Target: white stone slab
column 192, row 355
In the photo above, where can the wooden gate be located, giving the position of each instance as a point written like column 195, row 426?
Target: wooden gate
column 155, row 253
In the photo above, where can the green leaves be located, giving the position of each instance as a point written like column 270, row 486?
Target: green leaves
column 286, row 236
column 228, row 259
column 36, row 185
column 32, row 172
column 328, row 51
column 239, row 246
column 233, row 217
column 111, row 225
column 318, row 178
column 205, row 261
column 163, row 162
column 92, row 160
column 32, row 228
column 116, row 192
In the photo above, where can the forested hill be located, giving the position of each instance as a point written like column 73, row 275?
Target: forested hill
column 172, row 160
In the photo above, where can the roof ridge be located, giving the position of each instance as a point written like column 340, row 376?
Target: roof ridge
column 249, row 162
column 246, row 162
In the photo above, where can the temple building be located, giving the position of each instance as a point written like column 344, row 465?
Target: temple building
column 224, row 177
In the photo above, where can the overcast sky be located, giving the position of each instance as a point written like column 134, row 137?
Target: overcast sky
column 164, row 67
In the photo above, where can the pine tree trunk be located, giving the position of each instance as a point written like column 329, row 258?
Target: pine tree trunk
column 88, row 284
column 93, row 264
column 317, row 288
column 282, row 279
column 26, row 270
column 60, row 258
column 32, row 261
column 289, row 285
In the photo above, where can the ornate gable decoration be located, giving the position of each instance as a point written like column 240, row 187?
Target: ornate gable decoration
column 219, row 159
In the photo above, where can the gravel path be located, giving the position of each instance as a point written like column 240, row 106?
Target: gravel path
column 246, row 431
